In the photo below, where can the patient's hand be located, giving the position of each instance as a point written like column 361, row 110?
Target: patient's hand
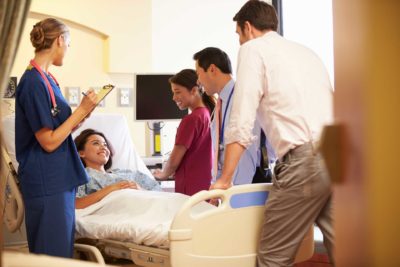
column 95, row 197
column 125, row 185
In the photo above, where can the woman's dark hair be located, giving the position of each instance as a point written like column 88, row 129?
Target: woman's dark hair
column 188, row 79
column 259, row 14
column 45, row 32
column 82, row 138
column 213, row 55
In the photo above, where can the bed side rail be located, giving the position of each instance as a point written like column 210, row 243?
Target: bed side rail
column 12, row 206
column 227, row 235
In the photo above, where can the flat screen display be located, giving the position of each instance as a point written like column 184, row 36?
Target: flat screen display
column 153, row 98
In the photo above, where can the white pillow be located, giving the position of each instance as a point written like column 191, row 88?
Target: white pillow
column 115, row 128
column 9, row 138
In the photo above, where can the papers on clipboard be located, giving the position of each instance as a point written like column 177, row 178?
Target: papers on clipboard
column 103, row 92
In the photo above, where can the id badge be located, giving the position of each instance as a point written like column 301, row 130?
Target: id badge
column 219, row 166
column 221, row 148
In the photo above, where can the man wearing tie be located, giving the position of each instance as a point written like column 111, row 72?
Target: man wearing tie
column 214, row 72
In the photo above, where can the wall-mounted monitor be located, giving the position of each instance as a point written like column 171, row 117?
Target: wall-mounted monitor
column 153, row 98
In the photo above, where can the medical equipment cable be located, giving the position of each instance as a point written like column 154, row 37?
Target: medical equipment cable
column 152, row 129
column 7, row 194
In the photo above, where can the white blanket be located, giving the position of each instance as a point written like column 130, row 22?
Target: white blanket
column 141, row 217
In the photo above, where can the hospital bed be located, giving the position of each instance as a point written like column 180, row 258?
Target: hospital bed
column 220, row 236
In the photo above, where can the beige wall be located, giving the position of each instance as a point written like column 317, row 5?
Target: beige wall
column 111, row 40
column 126, row 22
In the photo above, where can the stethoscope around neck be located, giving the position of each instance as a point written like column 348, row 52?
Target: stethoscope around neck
column 54, row 109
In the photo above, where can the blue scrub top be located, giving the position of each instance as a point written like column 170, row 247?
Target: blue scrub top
column 42, row 173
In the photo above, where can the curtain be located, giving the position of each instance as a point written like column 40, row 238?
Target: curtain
column 13, row 14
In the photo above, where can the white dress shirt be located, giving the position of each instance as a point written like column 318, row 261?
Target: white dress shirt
column 250, row 159
column 286, row 86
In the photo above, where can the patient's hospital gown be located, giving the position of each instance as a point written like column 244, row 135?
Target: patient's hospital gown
column 99, row 180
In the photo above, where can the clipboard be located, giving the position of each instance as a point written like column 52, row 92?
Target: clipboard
column 103, row 92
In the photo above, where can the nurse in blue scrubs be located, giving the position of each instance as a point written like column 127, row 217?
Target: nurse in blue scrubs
column 49, row 166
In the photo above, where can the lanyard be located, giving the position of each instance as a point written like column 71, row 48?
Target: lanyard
column 221, row 132
column 54, row 110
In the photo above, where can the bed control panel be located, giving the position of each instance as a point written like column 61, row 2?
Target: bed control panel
column 144, row 258
column 119, row 253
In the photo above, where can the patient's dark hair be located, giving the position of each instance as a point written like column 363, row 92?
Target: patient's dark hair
column 82, row 138
column 188, row 79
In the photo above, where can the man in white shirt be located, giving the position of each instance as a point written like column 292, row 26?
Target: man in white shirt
column 214, row 71
column 286, row 86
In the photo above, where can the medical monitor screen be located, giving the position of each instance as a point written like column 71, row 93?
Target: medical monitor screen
column 153, row 101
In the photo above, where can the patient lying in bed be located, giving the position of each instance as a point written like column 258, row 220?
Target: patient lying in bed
column 122, row 205
column 96, row 154
column 137, row 216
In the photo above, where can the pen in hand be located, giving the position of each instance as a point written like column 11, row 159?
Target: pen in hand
column 84, row 94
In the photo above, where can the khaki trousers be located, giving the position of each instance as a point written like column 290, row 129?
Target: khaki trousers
column 301, row 196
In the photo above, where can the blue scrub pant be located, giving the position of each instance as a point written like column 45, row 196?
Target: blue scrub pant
column 50, row 224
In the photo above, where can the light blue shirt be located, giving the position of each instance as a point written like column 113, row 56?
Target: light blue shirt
column 250, row 158
column 99, row 180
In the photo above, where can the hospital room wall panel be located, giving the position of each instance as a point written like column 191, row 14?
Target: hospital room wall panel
column 126, row 22
column 113, row 40
column 106, row 50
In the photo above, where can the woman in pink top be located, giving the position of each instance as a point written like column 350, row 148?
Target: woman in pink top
column 191, row 157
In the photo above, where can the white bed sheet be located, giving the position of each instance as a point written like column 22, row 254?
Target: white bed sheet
column 141, row 217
